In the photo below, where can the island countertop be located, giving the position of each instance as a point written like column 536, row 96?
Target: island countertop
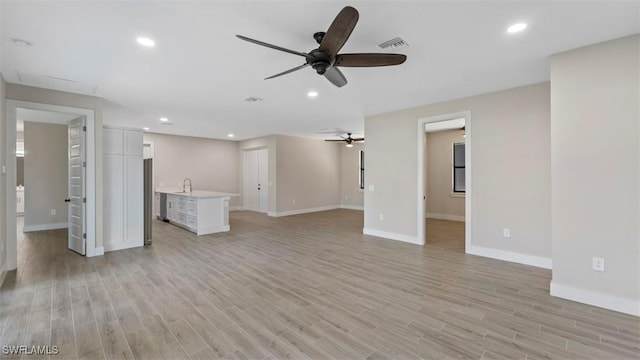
column 196, row 194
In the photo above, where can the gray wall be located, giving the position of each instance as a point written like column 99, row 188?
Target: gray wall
column 210, row 164
column 595, row 171
column 350, row 191
column 308, row 173
column 439, row 168
column 3, row 178
column 511, row 171
column 46, row 174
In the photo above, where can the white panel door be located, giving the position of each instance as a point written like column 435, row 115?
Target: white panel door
column 251, row 181
column 113, row 185
column 134, row 202
column 77, row 191
column 263, row 179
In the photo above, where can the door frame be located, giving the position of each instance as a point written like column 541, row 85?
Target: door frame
column 10, row 160
column 422, row 173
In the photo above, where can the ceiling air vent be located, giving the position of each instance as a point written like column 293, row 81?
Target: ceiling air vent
column 253, row 99
column 56, row 83
column 393, row 44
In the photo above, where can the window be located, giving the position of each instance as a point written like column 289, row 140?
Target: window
column 458, row 168
column 361, row 178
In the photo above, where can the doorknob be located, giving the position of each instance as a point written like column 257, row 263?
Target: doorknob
column 67, row 200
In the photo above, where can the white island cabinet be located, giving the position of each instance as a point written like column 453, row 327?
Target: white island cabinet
column 199, row 211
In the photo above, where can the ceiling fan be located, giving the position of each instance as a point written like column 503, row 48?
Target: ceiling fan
column 325, row 60
column 348, row 139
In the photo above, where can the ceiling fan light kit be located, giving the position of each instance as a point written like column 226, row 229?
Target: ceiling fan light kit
column 325, row 60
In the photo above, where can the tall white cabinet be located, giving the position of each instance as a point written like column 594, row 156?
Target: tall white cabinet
column 123, row 188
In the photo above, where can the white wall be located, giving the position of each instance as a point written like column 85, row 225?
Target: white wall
column 595, row 172
column 45, row 175
column 210, row 164
column 439, row 158
column 308, row 174
column 510, row 169
column 351, row 194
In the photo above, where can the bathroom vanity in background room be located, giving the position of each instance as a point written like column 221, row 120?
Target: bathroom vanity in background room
column 199, row 211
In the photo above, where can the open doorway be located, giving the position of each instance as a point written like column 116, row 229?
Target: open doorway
column 57, row 215
column 444, row 181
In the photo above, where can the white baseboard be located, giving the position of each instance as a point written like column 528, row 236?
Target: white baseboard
column 42, row 227
column 303, row 211
column 537, row 261
column 213, row 229
column 445, row 217
column 236, row 208
column 352, row 207
column 119, row 247
column 392, row 236
column 99, row 251
column 614, row 303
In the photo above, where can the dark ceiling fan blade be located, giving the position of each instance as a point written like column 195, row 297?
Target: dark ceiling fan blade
column 339, row 31
column 335, row 76
column 357, row 139
column 369, row 59
column 288, row 71
column 337, row 140
column 276, row 47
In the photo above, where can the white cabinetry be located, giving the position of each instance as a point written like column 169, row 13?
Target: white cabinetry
column 123, row 188
column 201, row 212
column 20, row 201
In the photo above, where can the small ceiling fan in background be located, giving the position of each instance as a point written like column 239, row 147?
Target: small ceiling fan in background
column 325, row 60
column 348, row 139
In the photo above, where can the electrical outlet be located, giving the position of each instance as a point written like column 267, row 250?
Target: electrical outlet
column 53, row 211
column 597, row 263
column 506, row 232
column 381, row 217
column 294, row 202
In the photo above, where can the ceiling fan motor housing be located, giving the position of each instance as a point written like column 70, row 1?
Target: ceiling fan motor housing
column 319, row 61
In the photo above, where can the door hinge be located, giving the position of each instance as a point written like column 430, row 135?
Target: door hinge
column 84, row 200
column 84, row 164
column 84, row 128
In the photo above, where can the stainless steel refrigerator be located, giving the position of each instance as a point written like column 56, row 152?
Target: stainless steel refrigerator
column 148, row 199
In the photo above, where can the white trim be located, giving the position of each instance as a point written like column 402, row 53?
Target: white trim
column 352, row 207
column 122, row 246
column 457, row 194
column 393, row 236
column 10, row 160
column 42, row 227
column 454, row 119
column 532, row 260
column 236, row 208
column 445, row 217
column 99, row 251
column 303, row 211
column 614, row 303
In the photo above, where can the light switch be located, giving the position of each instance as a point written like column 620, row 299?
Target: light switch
column 370, row 187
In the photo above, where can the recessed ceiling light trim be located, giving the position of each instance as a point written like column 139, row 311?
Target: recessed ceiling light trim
column 230, row 135
column 312, row 94
column 253, row 99
column 164, row 119
column 145, row 41
column 516, row 28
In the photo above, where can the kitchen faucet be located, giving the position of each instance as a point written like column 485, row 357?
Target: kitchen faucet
column 184, row 185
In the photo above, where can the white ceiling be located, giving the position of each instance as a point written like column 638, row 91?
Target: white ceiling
column 199, row 73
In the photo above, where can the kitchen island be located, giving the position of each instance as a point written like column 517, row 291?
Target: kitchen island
column 199, row 211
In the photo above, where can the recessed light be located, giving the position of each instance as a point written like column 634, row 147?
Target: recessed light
column 164, row 119
column 230, row 135
column 145, row 41
column 21, row 43
column 515, row 28
column 145, row 128
column 312, row 94
column 253, row 99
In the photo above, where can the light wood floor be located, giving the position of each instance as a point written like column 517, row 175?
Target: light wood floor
column 445, row 234
column 307, row 286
